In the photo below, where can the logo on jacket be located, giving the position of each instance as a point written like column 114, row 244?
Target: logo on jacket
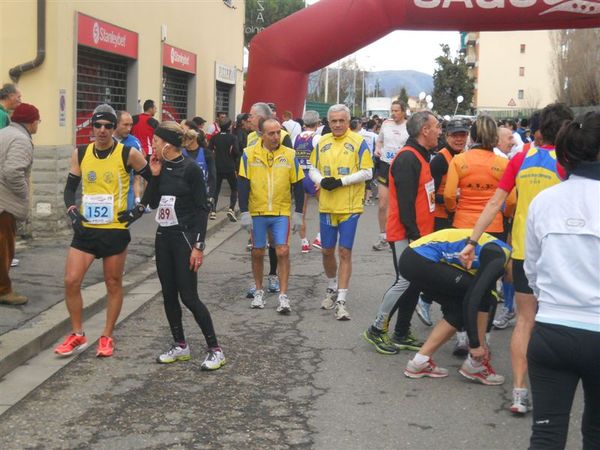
column 325, row 148
column 91, row 176
column 349, row 147
column 108, row 177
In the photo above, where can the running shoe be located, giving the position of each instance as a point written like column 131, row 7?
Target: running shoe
column 484, row 373
column 427, row 369
column 106, row 346
column 257, row 301
column 305, row 246
column 273, row 284
column 175, row 353
column 341, row 313
column 12, row 298
column 408, row 342
column 503, row 319
column 215, row 359
column 284, row 305
column 380, row 340
column 317, row 243
column 423, row 312
column 14, row 262
column 212, row 215
column 461, row 346
column 231, row 215
column 520, row 404
column 329, row 300
column 380, row 245
column 251, row 291
column 249, row 245
column 72, row 343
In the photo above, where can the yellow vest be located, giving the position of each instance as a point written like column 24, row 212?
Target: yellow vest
column 104, row 189
column 337, row 157
column 271, row 176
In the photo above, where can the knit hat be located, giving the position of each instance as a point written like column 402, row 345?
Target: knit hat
column 104, row 112
column 25, row 113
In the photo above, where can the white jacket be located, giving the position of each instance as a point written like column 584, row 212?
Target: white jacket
column 562, row 253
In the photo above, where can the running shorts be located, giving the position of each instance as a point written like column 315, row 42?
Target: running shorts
column 278, row 226
column 383, row 173
column 101, row 242
column 519, row 279
column 333, row 224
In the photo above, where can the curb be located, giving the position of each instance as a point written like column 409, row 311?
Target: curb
column 19, row 345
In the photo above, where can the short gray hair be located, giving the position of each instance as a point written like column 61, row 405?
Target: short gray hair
column 263, row 110
column 339, row 108
column 416, row 123
column 311, row 118
column 7, row 89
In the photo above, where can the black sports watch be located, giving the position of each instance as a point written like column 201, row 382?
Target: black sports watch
column 472, row 242
column 200, row 246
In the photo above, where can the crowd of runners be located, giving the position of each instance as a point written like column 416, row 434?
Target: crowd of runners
column 470, row 215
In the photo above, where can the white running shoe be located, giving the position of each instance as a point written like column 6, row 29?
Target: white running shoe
column 461, row 347
column 14, row 262
column 258, row 301
column 520, row 404
column 484, row 373
column 427, row 369
column 341, row 313
column 175, row 353
column 284, row 305
column 329, row 300
column 503, row 319
column 215, row 359
column 381, row 244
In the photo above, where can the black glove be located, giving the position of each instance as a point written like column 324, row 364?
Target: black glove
column 76, row 220
column 131, row 215
column 330, row 183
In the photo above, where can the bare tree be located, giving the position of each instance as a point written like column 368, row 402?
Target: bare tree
column 575, row 63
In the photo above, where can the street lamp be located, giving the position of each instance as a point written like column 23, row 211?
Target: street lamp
column 459, row 100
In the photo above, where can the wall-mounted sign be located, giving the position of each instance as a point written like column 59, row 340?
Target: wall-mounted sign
column 179, row 59
column 62, row 107
column 105, row 36
column 225, row 74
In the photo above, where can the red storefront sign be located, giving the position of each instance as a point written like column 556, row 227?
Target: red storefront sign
column 179, row 59
column 107, row 37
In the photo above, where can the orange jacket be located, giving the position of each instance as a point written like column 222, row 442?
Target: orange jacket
column 476, row 173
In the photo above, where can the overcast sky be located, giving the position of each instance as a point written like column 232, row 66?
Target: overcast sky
column 398, row 51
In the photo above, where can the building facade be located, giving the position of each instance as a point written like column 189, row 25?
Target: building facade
column 512, row 70
column 186, row 56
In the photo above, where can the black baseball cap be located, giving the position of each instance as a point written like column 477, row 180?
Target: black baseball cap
column 457, row 126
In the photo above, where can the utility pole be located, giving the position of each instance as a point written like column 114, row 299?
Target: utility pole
column 326, row 84
column 354, row 94
column 337, row 99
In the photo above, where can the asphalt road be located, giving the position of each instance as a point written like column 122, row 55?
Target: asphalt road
column 298, row 381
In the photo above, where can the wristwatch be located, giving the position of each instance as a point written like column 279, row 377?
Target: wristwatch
column 472, row 242
column 200, row 246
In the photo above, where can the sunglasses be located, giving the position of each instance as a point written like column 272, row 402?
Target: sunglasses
column 108, row 126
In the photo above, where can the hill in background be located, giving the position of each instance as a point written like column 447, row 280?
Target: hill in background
column 392, row 81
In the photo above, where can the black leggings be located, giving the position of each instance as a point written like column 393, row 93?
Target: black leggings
column 460, row 294
column 232, row 180
column 558, row 358
column 173, row 250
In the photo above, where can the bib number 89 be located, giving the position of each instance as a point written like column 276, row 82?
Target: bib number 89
column 164, row 213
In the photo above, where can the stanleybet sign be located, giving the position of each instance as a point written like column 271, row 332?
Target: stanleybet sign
column 179, row 59
column 553, row 6
column 107, row 37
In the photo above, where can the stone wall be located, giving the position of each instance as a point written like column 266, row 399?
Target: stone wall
column 48, row 177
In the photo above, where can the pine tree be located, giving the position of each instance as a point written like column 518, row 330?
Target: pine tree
column 451, row 79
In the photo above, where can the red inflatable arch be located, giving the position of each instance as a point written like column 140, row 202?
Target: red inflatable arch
column 284, row 54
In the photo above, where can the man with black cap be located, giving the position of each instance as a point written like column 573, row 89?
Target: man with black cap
column 16, row 158
column 103, row 166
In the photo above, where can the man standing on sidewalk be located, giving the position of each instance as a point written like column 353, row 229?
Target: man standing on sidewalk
column 103, row 168
column 10, row 98
column 123, row 135
column 268, row 173
column 340, row 165
column 16, row 158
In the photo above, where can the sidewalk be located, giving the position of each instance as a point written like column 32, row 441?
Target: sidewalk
column 28, row 329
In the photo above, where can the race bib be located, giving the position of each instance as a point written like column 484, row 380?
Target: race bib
column 98, row 208
column 165, row 213
column 430, row 190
